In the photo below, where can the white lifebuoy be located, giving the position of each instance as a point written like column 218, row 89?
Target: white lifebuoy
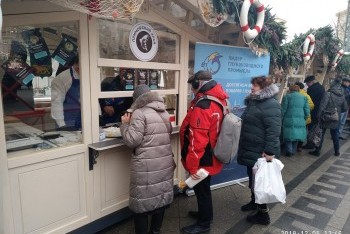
column 243, row 18
column 308, row 48
column 337, row 58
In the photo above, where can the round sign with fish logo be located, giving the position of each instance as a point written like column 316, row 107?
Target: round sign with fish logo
column 143, row 41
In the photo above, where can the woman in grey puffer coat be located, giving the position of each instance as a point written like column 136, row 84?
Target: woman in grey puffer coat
column 147, row 132
column 333, row 98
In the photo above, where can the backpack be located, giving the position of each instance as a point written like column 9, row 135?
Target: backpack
column 228, row 139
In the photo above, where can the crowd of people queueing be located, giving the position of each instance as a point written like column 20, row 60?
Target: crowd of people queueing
column 265, row 125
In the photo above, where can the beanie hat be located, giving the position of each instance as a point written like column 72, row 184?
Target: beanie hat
column 139, row 90
column 346, row 79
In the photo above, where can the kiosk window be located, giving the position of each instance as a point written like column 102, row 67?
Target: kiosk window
column 40, row 86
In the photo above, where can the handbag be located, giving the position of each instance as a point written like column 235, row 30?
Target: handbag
column 331, row 113
column 315, row 135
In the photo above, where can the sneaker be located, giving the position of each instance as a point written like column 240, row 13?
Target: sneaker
column 259, row 217
column 315, row 153
column 250, row 206
column 342, row 138
column 289, row 154
column 336, row 153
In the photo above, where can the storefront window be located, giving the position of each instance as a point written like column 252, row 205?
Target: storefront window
column 40, row 86
column 114, row 42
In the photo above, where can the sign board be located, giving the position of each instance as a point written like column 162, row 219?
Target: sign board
column 143, row 41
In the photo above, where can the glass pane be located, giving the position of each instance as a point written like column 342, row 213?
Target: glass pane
column 125, row 79
column 114, row 42
column 33, row 58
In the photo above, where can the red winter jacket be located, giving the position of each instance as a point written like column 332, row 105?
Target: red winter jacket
column 199, row 130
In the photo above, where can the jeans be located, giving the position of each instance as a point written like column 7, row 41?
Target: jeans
column 343, row 118
column 335, row 138
column 204, row 202
column 291, row 146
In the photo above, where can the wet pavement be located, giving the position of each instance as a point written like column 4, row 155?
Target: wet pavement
column 318, row 200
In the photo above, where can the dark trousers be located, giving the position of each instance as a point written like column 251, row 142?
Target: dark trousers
column 335, row 138
column 251, row 186
column 141, row 221
column 204, row 202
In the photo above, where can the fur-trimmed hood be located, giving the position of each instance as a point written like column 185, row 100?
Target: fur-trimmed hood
column 268, row 92
column 149, row 99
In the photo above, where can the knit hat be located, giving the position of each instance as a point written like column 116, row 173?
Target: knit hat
column 200, row 75
column 139, row 90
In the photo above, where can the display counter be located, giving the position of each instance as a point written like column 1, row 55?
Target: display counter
column 110, row 143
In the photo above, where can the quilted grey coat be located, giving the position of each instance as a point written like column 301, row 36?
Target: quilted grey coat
column 152, row 163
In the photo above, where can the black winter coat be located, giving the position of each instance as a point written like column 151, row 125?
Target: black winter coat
column 261, row 127
column 316, row 92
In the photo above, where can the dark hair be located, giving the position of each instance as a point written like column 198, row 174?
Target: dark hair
column 294, row 88
column 262, row 81
column 301, row 85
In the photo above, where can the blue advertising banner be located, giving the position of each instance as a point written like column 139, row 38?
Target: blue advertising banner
column 232, row 67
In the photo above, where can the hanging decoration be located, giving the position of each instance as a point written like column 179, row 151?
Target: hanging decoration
column 308, row 48
column 105, row 9
column 209, row 15
column 337, row 58
column 249, row 33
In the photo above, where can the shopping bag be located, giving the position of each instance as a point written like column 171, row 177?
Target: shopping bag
column 268, row 183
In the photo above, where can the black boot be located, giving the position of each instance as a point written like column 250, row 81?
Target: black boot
column 250, row 206
column 156, row 222
column 260, row 217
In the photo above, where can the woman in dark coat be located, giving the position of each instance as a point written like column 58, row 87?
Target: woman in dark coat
column 333, row 98
column 261, row 129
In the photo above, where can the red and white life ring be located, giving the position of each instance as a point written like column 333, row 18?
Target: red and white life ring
column 337, row 58
column 308, row 48
column 243, row 18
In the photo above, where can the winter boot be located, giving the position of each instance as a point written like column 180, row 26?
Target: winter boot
column 260, row 217
column 250, row 206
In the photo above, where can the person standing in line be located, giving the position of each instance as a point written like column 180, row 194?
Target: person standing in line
column 311, row 107
column 334, row 98
column 260, row 137
column 295, row 110
column 344, row 115
column 198, row 136
column 147, row 131
column 316, row 91
column 65, row 98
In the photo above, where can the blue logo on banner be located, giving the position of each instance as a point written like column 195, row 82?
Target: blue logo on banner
column 233, row 67
column 212, row 63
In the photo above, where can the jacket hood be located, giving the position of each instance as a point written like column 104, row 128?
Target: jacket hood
column 266, row 93
column 149, row 99
column 337, row 90
column 212, row 88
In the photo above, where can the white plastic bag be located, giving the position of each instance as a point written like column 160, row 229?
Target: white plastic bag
column 268, row 183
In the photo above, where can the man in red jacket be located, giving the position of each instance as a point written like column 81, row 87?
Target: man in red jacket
column 198, row 136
